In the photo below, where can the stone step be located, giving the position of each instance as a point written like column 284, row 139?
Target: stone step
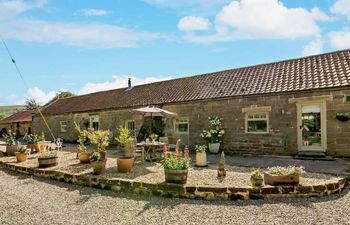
column 313, row 155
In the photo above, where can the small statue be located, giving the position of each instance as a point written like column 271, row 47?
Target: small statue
column 221, row 168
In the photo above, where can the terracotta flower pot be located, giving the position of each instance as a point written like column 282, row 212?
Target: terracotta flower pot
column 21, row 157
column 176, row 176
column 99, row 167
column 11, row 150
column 37, row 147
column 125, row 164
column 48, row 162
column 214, row 148
column 201, row 159
column 84, row 157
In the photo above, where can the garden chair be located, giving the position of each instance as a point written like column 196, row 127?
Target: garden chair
column 139, row 152
column 166, row 141
column 59, row 144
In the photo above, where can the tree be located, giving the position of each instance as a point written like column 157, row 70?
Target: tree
column 59, row 95
column 3, row 116
column 31, row 104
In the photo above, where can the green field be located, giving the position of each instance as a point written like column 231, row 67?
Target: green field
column 9, row 110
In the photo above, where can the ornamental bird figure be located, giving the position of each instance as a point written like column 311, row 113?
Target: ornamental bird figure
column 221, row 168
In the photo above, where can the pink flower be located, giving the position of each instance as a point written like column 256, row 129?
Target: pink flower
column 177, row 153
column 186, row 152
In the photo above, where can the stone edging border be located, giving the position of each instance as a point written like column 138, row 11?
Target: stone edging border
column 184, row 191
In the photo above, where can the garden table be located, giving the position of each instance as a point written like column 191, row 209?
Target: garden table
column 151, row 149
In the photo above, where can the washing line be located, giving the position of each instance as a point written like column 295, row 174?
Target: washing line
column 26, row 85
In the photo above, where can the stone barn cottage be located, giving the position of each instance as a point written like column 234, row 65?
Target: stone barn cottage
column 282, row 108
column 19, row 123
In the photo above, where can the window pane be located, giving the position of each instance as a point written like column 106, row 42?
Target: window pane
column 182, row 127
column 250, row 116
column 257, row 126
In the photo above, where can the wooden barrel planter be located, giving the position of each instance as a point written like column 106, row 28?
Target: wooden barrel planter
column 11, row 150
column 48, row 162
column 281, row 179
column 176, row 176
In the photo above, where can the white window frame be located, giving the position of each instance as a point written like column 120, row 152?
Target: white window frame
column 94, row 118
column 257, row 119
column 132, row 133
column 63, row 126
column 179, row 121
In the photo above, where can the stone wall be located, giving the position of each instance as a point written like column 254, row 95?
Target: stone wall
column 183, row 191
column 282, row 122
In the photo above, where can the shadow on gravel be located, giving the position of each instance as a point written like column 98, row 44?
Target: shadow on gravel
column 167, row 203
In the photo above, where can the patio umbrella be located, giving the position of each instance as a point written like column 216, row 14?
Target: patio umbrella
column 153, row 111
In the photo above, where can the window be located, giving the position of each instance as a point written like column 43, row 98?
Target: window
column 257, row 122
column 63, row 125
column 181, row 125
column 94, row 122
column 130, row 125
column 347, row 98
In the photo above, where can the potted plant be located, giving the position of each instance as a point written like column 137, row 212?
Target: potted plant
column 345, row 116
column 48, row 159
column 98, row 163
column 10, row 144
column 176, row 166
column 99, row 138
column 82, row 154
column 256, row 178
column 214, row 134
column 288, row 175
column 201, row 155
column 154, row 137
column 22, row 154
column 32, row 141
column 127, row 143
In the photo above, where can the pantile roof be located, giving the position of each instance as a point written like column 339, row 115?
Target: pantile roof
column 23, row 116
column 314, row 72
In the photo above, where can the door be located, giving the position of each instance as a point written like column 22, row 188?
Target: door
column 311, row 124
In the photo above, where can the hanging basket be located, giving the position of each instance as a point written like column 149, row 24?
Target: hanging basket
column 343, row 116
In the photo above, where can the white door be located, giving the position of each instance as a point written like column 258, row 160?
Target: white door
column 311, row 126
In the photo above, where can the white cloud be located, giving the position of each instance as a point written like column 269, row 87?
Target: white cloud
column 39, row 95
column 317, row 14
column 193, row 23
column 261, row 19
column 10, row 9
column 266, row 19
column 11, row 99
column 340, row 39
column 341, row 7
column 87, row 35
column 92, row 12
column 314, row 47
column 118, row 82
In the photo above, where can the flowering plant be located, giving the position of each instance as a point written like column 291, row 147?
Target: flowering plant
column 99, row 138
column 9, row 139
column 201, row 148
column 31, row 138
column 256, row 173
column 215, row 133
column 288, row 170
column 177, row 160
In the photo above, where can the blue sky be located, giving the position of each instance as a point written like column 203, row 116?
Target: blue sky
column 87, row 46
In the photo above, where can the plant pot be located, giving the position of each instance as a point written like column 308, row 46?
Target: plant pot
column 176, row 176
column 281, row 179
column 256, row 181
column 342, row 118
column 84, row 157
column 21, row 157
column 103, row 154
column 37, row 147
column 11, row 150
column 125, row 164
column 201, row 159
column 48, row 162
column 99, row 167
column 214, row 147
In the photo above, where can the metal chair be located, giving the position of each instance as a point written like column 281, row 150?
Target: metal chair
column 59, row 144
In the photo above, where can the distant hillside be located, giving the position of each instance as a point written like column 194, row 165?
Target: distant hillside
column 11, row 109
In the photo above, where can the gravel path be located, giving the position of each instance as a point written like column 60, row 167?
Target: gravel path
column 27, row 200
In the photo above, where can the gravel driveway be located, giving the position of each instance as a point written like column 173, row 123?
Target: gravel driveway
column 26, row 200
